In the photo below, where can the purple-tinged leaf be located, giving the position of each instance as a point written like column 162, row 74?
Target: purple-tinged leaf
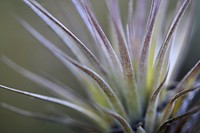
column 126, row 127
column 171, row 103
column 126, row 62
column 88, row 113
column 96, row 31
column 174, row 119
column 152, row 107
column 147, row 42
column 161, row 57
column 63, row 33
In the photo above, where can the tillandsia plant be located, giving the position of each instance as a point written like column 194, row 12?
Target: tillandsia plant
column 128, row 77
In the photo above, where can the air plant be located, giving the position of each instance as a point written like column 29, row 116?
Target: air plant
column 128, row 77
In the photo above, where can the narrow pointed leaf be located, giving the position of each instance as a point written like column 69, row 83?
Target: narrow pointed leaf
column 125, row 125
column 88, row 113
column 184, row 85
column 125, row 59
column 138, row 31
column 66, row 60
column 66, row 93
column 63, row 33
column 190, row 76
column 96, row 30
column 166, row 45
column 60, row 119
column 171, row 104
column 129, row 28
column 152, row 108
column 174, row 119
column 149, row 32
column 140, row 130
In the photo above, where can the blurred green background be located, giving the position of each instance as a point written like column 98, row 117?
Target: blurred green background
column 17, row 44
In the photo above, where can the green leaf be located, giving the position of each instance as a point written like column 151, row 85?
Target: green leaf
column 171, row 103
column 162, row 56
column 189, row 78
column 63, row 33
column 140, row 130
column 150, row 118
column 127, row 128
column 55, row 50
column 155, row 4
column 174, row 119
column 184, row 85
column 69, row 62
column 66, row 93
column 96, row 31
column 84, row 111
column 60, row 119
column 127, row 66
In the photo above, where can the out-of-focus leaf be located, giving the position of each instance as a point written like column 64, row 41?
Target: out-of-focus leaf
column 127, row 128
column 68, row 104
column 155, row 4
column 171, row 103
column 60, row 119
column 165, row 48
column 100, row 98
column 174, row 119
column 126, row 62
column 63, row 33
column 69, row 62
column 152, row 108
column 140, row 130
column 97, row 33
column 66, row 93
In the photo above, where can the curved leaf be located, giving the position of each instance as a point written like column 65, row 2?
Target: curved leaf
column 88, row 113
column 63, row 33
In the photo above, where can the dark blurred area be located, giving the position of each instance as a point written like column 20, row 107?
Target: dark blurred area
column 17, row 44
column 192, row 55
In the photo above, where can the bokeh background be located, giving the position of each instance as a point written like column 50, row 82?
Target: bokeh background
column 18, row 45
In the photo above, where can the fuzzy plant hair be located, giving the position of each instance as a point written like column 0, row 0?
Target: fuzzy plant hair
column 128, row 74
